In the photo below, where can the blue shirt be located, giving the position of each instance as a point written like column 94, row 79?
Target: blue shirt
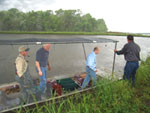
column 91, row 61
column 42, row 57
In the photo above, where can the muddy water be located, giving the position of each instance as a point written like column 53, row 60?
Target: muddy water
column 66, row 59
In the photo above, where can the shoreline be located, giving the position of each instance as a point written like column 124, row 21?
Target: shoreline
column 74, row 33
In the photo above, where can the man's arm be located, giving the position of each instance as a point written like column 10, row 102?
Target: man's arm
column 19, row 67
column 37, row 63
column 49, row 66
column 38, row 67
column 122, row 51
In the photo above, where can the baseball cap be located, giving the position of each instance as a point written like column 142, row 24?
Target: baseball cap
column 22, row 49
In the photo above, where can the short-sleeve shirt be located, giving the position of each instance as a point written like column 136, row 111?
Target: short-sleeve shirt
column 21, row 65
column 42, row 57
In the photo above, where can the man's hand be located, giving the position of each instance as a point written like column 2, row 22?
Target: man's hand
column 49, row 67
column 115, row 50
column 40, row 73
column 96, row 70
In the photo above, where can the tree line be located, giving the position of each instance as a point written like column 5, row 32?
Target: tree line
column 60, row 20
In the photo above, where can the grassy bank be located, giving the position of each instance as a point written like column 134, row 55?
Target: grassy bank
column 116, row 97
column 74, row 33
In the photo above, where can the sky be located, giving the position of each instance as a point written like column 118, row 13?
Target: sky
column 119, row 15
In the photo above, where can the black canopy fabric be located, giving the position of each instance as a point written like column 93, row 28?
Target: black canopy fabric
column 38, row 41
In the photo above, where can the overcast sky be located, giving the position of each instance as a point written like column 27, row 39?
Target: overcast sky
column 119, row 15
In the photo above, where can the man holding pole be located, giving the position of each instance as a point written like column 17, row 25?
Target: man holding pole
column 131, row 52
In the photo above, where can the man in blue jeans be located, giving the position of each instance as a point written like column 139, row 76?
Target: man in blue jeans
column 131, row 52
column 91, row 68
column 42, row 64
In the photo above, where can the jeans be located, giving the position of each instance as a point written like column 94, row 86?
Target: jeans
column 130, row 71
column 90, row 74
column 43, row 79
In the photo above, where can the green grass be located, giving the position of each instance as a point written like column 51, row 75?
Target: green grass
column 74, row 33
column 108, row 97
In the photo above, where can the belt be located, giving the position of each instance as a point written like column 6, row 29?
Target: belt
column 90, row 68
column 132, row 61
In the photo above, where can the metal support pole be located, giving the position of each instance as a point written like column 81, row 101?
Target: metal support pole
column 113, row 68
column 84, row 50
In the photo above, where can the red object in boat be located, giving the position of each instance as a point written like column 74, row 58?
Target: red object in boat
column 56, row 87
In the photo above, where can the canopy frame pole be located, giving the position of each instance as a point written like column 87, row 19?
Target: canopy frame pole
column 84, row 51
column 114, row 60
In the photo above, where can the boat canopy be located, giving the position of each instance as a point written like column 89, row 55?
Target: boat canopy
column 39, row 41
column 60, row 40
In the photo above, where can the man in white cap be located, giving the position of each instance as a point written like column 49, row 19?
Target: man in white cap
column 23, row 76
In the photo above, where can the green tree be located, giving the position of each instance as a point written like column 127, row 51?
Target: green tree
column 61, row 20
column 101, row 26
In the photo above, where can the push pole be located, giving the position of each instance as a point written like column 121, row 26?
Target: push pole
column 113, row 68
column 84, row 50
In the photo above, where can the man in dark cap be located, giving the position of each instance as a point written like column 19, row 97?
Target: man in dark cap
column 131, row 52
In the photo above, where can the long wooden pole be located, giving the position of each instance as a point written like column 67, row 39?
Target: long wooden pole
column 84, row 51
column 114, row 60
